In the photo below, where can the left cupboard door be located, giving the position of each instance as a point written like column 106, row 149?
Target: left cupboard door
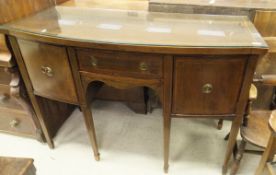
column 49, row 70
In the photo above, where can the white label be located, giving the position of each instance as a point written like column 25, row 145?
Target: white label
column 159, row 30
column 211, row 33
column 109, row 26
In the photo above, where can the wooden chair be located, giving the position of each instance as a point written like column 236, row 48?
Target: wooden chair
column 270, row 150
column 255, row 130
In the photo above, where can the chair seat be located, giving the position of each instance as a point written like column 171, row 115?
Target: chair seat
column 257, row 131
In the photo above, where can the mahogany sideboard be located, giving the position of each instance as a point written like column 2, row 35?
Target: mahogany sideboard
column 200, row 65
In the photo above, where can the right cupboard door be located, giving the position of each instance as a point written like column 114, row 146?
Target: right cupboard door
column 207, row 85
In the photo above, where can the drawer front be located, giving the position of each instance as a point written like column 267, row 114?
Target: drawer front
column 17, row 122
column 120, row 63
column 49, row 70
column 206, row 86
column 5, row 77
column 4, row 90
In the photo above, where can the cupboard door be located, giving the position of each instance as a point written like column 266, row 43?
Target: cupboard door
column 208, row 85
column 49, row 70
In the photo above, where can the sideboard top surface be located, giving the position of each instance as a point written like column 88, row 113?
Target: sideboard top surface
column 140, row 28
column 245, row 4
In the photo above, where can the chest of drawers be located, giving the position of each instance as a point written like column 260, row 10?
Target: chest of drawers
column 16, row 114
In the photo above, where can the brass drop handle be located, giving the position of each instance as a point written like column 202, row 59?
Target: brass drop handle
column 143, row 66
column 14, row 123
column 93, row 61
column 47, row 71
column 207, row 88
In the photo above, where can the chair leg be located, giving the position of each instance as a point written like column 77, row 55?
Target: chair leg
column 91, row 130
column 267, row 155
column 220, row 124
column 235, row 150
column 238, row 157
column 270, row 169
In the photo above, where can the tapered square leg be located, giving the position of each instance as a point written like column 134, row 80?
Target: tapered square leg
column 91, row 130
column 231, row 142
column 167, row 128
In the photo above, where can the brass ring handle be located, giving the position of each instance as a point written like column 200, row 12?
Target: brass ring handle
column 93, row 61
column 207, row 88
column 47, row 71
column 143, row 66
column 14, row 123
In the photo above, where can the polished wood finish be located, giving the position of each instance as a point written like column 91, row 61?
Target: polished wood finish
column 222, row 95
column 120, row 63
column 17, row 166
column 166, row 100
column 147, row 39
column 49, row 83
column 163, row 53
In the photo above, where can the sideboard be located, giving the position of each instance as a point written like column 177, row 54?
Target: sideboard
column 199, row 65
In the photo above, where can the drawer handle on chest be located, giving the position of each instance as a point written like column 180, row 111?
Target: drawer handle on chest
column 14, row 123
column 143, row 66
column 207, row 88
column 93, row 61
column 47, row 71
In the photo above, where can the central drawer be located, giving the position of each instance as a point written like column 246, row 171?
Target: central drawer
column 120, row 63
